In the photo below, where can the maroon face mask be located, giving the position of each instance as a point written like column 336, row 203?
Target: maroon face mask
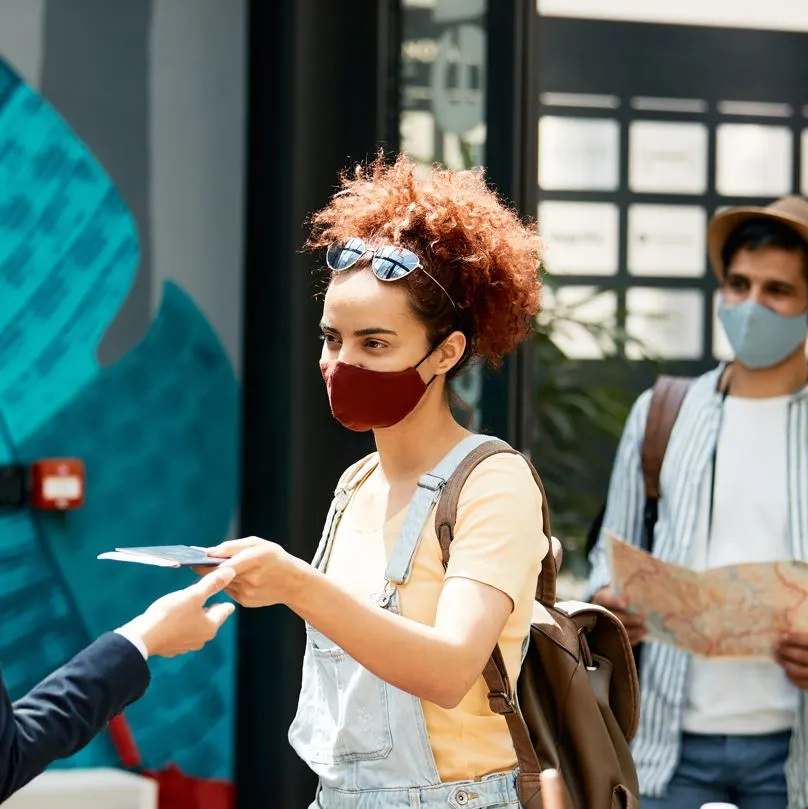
column 363, row 400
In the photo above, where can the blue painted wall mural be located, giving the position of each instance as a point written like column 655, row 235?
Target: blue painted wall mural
column 158, row 432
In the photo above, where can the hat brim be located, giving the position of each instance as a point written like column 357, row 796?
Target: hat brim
column 723, row 224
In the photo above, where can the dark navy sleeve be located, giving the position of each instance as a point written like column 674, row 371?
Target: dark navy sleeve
column 66, row 710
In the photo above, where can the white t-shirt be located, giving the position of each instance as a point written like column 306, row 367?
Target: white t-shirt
column 749, row 524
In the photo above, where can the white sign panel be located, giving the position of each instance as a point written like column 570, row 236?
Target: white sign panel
column 664, row 323
column 582, row 238
column 667, row 240
column 753, row 160
column 579, row 154
column 667, row 157
column 458, row 96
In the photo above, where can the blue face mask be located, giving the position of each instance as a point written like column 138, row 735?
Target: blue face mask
column 759, row 337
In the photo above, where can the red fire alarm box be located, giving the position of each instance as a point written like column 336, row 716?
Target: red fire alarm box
column 57, row 484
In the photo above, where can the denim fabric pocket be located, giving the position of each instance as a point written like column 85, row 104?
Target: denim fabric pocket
column 344, row 706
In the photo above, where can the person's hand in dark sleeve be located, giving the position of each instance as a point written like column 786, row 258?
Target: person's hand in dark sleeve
column 66, row 710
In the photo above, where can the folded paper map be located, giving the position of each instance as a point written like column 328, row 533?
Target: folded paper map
column 733, row 611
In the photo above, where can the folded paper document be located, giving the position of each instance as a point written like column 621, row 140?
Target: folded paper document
column 164, row 556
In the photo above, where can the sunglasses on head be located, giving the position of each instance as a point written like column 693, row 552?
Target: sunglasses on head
column 388, row 263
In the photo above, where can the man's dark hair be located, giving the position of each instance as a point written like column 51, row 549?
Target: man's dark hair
column 755, row 234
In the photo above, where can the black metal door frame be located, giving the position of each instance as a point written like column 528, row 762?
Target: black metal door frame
column 321, row 95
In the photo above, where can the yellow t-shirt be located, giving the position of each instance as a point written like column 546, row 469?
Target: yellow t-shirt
column 498, row 541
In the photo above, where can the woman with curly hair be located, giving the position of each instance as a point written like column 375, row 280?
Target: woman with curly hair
column 425, row 274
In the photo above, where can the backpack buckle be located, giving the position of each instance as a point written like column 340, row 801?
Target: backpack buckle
column 341, row 498
column 431, row 482
column 501, row 703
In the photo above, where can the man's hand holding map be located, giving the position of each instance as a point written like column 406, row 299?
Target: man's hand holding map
column 735, row 611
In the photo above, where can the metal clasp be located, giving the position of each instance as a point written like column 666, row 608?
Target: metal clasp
column 387, row 594
column 508, row 702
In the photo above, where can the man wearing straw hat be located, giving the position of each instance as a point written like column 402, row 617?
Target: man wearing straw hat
column 734, row 489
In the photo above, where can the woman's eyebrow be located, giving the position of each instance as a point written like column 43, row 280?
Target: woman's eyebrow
column 326, row 326
column 374, row 330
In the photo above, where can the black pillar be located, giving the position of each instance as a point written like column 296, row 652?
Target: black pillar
column 511, row 150
column 322, row 94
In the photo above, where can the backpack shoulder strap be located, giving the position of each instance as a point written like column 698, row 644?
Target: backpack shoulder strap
column 446, row 512
column 501, row 692
column 666, row 400
column 427, row 493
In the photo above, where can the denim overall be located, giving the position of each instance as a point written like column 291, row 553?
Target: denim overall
column 366, row 740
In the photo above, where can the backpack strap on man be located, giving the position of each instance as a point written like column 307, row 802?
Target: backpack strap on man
column 666, row 401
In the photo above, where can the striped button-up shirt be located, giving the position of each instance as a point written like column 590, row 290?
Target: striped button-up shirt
column 685, row 490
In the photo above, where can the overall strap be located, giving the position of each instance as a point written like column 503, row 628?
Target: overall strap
column 350, row 481
column 426, row 495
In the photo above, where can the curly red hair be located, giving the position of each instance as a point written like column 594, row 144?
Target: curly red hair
column 466, row 237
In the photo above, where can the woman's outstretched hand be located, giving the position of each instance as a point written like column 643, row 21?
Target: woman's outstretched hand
column 264, row 571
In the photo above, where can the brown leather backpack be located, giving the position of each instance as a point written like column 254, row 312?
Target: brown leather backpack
column 576, row 705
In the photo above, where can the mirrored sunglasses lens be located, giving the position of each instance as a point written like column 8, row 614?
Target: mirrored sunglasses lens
column 391, row 263
column 342, row 255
